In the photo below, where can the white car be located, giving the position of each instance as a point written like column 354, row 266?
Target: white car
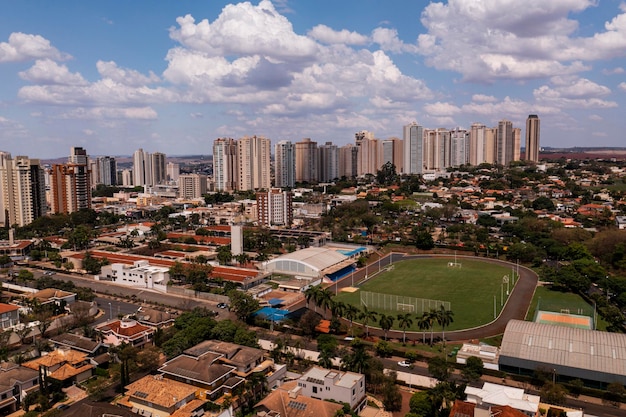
column 404, row 364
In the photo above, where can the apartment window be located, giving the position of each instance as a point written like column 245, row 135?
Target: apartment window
column 314, row 390
column 352, row 391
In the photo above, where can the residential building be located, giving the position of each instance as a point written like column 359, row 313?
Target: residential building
column 288, row 401
column 106, row 168
column 225, row 164
column 275, row 207
column 285, row 164
column 348, row 161
column 192, row 186
column 172, row 171
column 127, row 178
column 115, row 332
column 9, row 315
column 533, row 128
column 477, row 144
column 78, row 343
column 71, row 183
column 155, row 396
column 436, row 149
column 328, row 162
column 507, row 143
column 368, row 153
column 140, row 274
column 307, row 162
column 393, row 151
column 253, row 159
column 16, row 382
column 142, row 168
column 343, row 387
column 22, row 191
column 414, row 159
column 158, row 171
column 65, row 365
column 501, row 395
column 517, row 141
column 459, row 147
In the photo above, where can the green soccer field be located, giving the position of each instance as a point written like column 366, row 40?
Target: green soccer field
column 469, row 289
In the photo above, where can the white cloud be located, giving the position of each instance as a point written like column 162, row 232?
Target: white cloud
column 88, row 132
column 124, row 76
column 324, row 34
column 389, row 41
column 596, row 118
column 46, row 71
column 532, row 39
column 613, row 71
column 481, row 98
column 573, row 93
column 98, row 113
column 441, row 109
column 244, row 29
column 25, row 47
column 622, row 86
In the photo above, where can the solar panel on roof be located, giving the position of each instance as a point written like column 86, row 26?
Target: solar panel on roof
column 140, row 394
column 297, row 405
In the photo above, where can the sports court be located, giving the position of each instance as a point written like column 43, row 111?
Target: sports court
column 564, row 319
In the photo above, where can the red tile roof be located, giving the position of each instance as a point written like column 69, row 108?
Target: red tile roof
column 5, row 308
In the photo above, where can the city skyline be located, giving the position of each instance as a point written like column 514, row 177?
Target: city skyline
column 112, row 78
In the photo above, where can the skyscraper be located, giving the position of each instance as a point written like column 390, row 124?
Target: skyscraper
column 225, row 164
column 253, row 159
column 285, row 164
column 328, row 162
column 22, row 190
column 274, row 207
column 348, row 158
column 413, row 136
column 158, row 172
column 459, row 147
column 504, row 143
column 142, row 170
column 393, row 151
column 368, row 156
column 307, row 162
column 71, row 184
column 173, row 171
column 192, row 185
column 107, row 170
column 532, row 138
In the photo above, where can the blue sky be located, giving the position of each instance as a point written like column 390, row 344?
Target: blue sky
column 113, row 76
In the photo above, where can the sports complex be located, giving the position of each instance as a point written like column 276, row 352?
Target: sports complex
column 474, row 290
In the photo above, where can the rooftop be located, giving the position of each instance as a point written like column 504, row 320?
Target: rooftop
column 160, row 391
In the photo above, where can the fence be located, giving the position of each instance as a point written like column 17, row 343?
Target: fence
column 399, row 303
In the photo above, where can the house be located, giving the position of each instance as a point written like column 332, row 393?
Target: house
column 343, row 387
column 140, row 274
column 243, row 358
column 9, row 315
column 620, row 222
column 117, row 332
column 464, row 408
column 155, row 396
column 155, row 318
column 488, row 354
column 288, row 401
column 52, row 295
column 15, row 383
column 66, row 365
column 79, row 343
column 91, row 408
column 501, row 395
column 203, row 371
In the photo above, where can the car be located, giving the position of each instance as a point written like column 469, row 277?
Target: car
column 63, row 407
column 348, row 339
column 404, row 364
column 49, row 273
column 222, row 305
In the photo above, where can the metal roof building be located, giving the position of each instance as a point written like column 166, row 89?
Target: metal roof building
column 309, row 262
column 598, row 358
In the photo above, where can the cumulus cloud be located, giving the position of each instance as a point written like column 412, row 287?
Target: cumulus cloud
column 46, row 71
column 573, row 92
column 389, row 41
column 613, row 71
column 26, row 47
column 532, row 39
column 99, row 113
column 324, row 34
column 622, row 86
column 125, row 76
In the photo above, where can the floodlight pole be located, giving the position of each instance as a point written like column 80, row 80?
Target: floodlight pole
column 494, row 306
column 501, row 294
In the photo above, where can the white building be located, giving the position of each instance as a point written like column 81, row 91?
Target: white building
column 494, row 394
column 325, row 384
column 141, row 275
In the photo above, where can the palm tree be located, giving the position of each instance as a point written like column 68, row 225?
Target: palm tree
column 325, row 299
column 432, row 318
column 351, row 312
column 424, row 323
column 312, row 293
column 325, row 359
column 386, row 321
column 366, row 316
column 405, row 321
column 338, row 308
column 444, row 318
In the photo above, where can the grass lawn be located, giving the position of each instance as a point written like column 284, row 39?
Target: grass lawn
column 469, row 289
column 556, row 300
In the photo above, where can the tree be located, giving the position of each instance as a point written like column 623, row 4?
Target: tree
column 392, row 399
column 432, row 318
column 424, row 322
column 405, row 321
column 420, row 404
column 439, row 368
column 351, row 312
column 386, row 322
column 243, row 304
column 614, row 394
column 224, row 255
column 366, row 317
column 444, row 318
column 325, row 359
column 356, row 361
column 312, row 293
column 308, row 322
column 325, row 299
column 387, row 174
column 149, row 358
column 91, row 265
column 473, row 369
column 424, row 240
column 553, row 393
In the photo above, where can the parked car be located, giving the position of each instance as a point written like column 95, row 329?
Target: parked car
column 222, row 305
column 49, row 273
column 404, row 364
